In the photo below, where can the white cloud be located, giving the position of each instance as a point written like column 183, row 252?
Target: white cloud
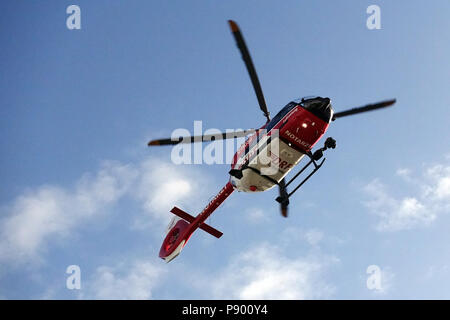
column 421, row 209
column 403, row 172
column 134, row 280
column 256, row 215
column 439, row 187
column 314, row 237
column 53, row 213
column 260, row 272
column 49, row 212
column 264, row 272
column 37, row 216
column 396, row 214
column 293, row 234
column 163, row 185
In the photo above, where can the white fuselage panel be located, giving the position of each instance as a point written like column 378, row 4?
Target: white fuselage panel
column 273, row 163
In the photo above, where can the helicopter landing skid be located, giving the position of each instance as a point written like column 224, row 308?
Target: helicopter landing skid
column 316, row 156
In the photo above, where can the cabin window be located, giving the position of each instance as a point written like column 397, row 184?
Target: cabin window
column 280, row 115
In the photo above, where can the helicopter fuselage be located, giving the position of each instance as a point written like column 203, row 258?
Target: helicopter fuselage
column 266, row 157
column 276, row 148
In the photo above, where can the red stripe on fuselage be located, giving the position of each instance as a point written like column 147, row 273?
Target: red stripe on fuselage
column 291, row 131
column 207, row 211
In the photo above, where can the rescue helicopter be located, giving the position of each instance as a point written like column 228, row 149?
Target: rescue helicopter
column 284, row 140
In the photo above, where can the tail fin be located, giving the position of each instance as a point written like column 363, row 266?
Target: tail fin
column 205, row 227
column 175, row 239
column 179, row 232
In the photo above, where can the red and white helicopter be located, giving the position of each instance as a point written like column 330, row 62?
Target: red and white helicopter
column 294, row 131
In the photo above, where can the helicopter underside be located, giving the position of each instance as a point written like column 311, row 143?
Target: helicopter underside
column 257, row 175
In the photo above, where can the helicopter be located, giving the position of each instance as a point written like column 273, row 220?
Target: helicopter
column 282, row 142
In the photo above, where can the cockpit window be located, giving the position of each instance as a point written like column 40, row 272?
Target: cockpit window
column 300, row 100
column 280, row 115
column 321, row 107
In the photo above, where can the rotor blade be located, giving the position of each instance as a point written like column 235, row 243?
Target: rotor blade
column 283, row 194
column 368, row 107
column 207, row 137
column 250, row 67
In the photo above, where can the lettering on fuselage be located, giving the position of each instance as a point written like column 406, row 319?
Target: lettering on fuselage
column 214, row 200
column 272, row 157
column 297, row 139
column 282, row 164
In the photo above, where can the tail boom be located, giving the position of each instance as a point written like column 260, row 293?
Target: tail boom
column 179, row 234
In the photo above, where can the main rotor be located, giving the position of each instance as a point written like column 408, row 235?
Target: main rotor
column 319, row 106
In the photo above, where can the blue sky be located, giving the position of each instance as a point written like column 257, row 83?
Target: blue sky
column 80, row 187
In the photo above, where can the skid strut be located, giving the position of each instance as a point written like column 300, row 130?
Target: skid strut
column 284, row 198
